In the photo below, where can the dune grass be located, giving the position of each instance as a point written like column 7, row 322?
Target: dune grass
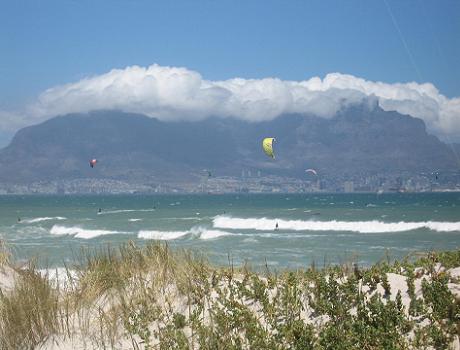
column 29, row 313
column 154, row 298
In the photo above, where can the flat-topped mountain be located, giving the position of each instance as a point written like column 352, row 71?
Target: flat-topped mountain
column 135, row 147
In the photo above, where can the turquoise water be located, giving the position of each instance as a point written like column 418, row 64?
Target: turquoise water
column 329, row 228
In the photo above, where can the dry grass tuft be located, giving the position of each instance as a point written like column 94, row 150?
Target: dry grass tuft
column 154, row 298
column 4, row 254
column 29, row 313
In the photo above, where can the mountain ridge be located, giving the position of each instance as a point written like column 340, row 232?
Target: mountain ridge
column 134, row 147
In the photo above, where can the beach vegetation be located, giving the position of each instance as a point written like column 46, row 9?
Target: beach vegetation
column 153, row 297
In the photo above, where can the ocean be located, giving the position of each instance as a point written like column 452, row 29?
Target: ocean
column 235, row 228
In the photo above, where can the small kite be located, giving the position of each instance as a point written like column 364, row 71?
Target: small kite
column 267, row 145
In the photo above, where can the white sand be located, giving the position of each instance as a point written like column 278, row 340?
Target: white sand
column 81, row 340
column 7, row 277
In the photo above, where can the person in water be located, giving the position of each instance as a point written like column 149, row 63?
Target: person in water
column 19, row 219
column 276, row 227
column 100, row 210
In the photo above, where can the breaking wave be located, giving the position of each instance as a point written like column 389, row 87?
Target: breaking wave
column 205, row 233
column 161, row 235
column 374, row 226
column 46, row 218
column 196, row 232
column 79, row 232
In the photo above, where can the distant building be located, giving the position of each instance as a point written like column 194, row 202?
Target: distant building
column 348, row 186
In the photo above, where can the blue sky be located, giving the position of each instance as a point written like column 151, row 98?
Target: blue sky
column 49, row 43
column 45, row 43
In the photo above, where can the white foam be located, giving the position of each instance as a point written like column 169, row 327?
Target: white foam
column 284, row 235
column 205, row 233
column 374, row 226
column 212, row 234
column 196, row 232
column 161, row 235
column 46, row 218
column 134, row 220
column 79, row 232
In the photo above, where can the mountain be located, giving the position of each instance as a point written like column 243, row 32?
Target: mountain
column 133, row 147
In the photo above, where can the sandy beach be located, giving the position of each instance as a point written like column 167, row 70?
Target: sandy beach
column 155, row 298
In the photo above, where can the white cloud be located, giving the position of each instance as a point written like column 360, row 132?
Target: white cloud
column 171, row 93
column 11, row 121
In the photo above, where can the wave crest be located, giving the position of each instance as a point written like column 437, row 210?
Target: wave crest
column 196, row 232
column 79, row 232
column 46, row 218
column 161, row 235
column 205, row 233
column 374, row 226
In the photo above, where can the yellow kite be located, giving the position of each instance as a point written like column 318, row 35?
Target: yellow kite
column 267, row 145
